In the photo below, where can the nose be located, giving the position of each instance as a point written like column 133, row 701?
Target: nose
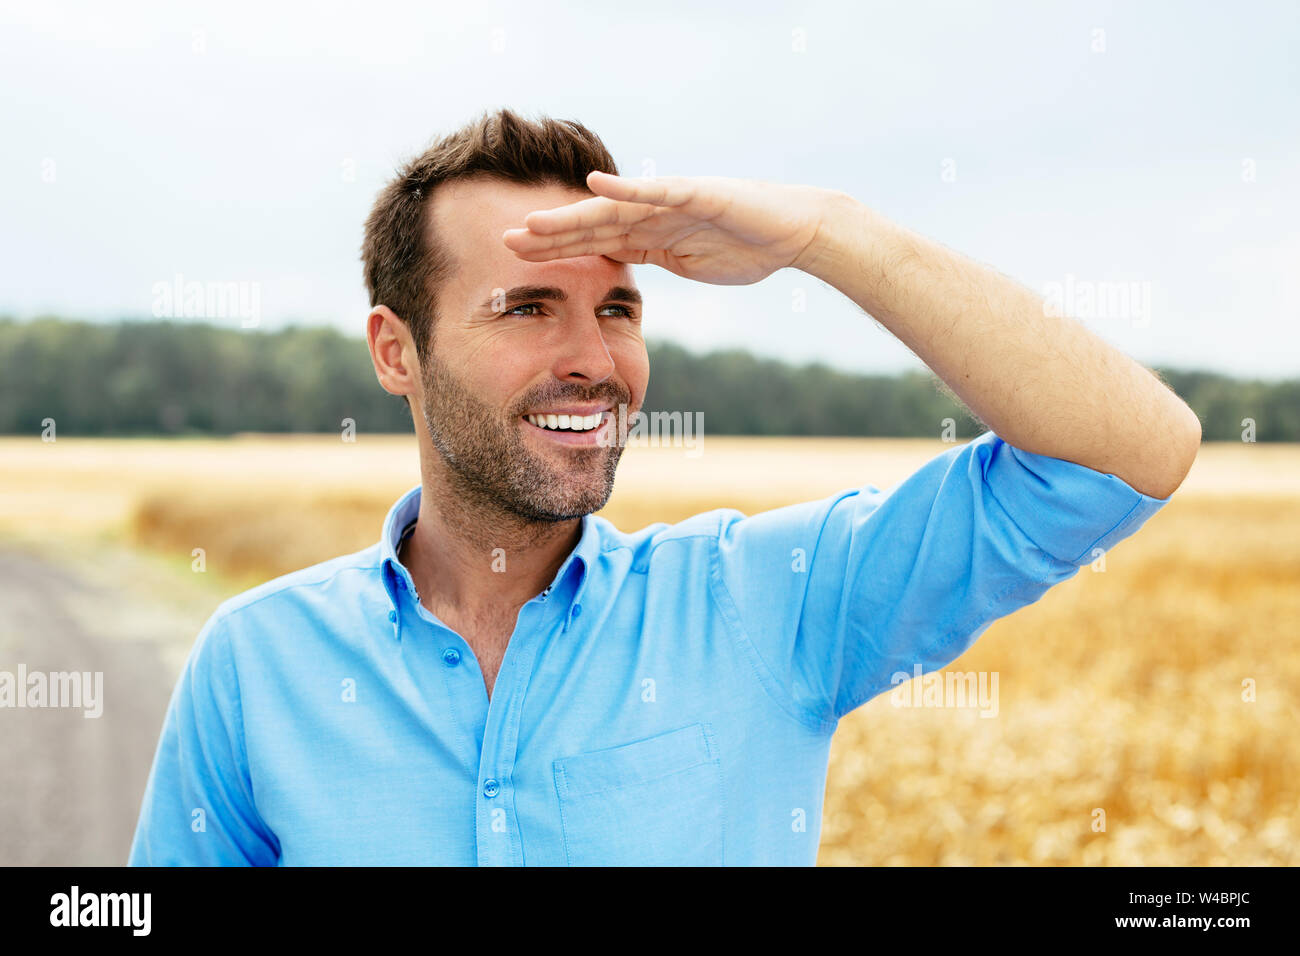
column 583, row 357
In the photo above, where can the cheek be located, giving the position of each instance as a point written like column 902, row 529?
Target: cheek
column 497, row 366
column 633, row 366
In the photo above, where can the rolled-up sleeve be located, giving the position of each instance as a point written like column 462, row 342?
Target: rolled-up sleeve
column 198, row 804
column 834, row 597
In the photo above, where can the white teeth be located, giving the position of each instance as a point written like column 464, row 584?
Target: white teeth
column 577, row 423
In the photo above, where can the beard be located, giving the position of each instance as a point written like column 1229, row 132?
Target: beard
column 493, row 467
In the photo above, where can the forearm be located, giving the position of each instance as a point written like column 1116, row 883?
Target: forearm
column 1044, row 384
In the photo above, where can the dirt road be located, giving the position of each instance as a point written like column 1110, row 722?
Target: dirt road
column 70, row 785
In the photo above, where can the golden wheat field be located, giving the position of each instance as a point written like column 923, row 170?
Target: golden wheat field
column 1158, row 696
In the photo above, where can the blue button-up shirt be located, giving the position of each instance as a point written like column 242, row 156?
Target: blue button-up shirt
column 668, row 699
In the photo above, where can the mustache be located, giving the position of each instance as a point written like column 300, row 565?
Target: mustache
column 558, row 398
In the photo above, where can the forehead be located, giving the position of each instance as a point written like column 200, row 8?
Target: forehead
column 471, row 214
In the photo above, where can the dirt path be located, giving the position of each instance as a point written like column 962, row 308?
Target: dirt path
column 70, row 786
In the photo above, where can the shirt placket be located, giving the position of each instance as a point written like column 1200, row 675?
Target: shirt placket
column 488, row 729
column 499, row 842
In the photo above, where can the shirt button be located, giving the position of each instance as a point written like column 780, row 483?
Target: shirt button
column 577, row 609
column 451, row 657
column 401, row 583
column 392, row 616
column 491, row 788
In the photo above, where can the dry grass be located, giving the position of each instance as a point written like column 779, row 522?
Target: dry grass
column 1120, row 691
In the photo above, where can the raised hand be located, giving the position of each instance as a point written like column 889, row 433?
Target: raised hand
column 710, row 228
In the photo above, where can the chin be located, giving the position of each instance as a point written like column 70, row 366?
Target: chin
column 571, row 508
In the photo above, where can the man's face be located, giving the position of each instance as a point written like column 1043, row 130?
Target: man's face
column 498, row 356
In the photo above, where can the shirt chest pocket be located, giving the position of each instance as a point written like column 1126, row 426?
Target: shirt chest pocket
column 653, row 802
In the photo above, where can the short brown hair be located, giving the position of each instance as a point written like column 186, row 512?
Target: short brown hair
column 405, row 263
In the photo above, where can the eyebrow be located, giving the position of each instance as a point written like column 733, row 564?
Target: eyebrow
column 532, row 293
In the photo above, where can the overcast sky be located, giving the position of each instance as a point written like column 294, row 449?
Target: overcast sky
column 1138, row 161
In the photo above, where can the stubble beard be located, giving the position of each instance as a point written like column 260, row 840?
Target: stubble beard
column 493, row 467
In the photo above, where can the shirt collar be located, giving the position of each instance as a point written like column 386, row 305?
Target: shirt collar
column 407, row 509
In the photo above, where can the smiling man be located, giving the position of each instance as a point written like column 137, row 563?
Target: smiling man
column 514, row 401
column 506, row 679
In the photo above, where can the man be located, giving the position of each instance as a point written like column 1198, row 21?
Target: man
column 506, row 679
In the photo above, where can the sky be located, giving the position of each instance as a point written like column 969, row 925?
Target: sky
column 1136, row 163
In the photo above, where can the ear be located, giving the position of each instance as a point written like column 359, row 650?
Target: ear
column 392, row 352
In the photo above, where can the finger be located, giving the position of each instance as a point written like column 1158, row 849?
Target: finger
column 659, row 231
column 641, row 257
column 590, row 247
column 525, row 240
column 633, row 256
column 648, row 257
column 657, row 190
column 586, row 213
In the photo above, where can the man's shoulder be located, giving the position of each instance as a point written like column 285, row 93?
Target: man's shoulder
column 699, row 529
column 304, row 585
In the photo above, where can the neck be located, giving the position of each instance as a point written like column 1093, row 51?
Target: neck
column 473, row 558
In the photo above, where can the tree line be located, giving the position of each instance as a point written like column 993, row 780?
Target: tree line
column 184, row 378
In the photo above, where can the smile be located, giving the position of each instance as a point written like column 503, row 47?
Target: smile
column 575, row 423
column 570, row 429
